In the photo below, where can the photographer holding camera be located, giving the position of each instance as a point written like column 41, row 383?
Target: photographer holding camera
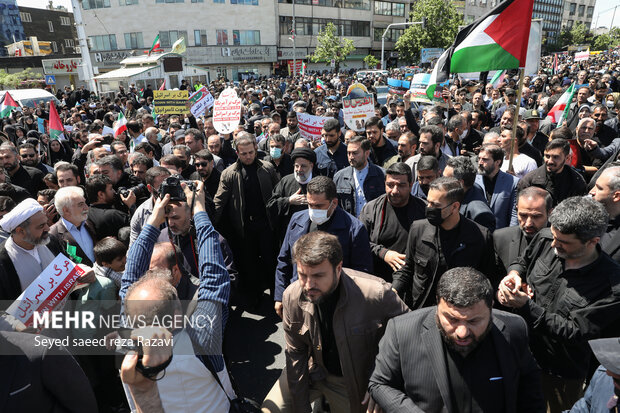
column 186, row 384
column 123, row 183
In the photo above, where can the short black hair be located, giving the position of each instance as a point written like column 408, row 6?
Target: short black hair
column 463, row 287
column 451, row 186
column 322, row 185
column 558, row 143
column 95, row 184
column 400, row 168
column 331, row 124
column 463, row 169
column 111, row 160
column 364, row 143
column 109, row 249
column 436, row 133
column 204, row 154
column 154, row 172
column 374, row 121
column 427, row 163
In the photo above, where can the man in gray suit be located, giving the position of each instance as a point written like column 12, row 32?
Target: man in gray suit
column 464, row 356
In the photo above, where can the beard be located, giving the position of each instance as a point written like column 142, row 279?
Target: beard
column 44, row 239
column 462, row 350
column 485, row 171
column 324, row 296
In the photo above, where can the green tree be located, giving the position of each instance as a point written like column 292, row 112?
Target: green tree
column 23, row 78
column 441, row 28
column 607, row 41
column 578, row 33
column 565, row 38
column 331, row 47
column 371, row 61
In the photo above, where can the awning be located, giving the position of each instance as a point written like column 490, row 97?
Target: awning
column 124, row 72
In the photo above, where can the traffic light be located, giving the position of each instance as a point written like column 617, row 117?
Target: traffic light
column 424, row 22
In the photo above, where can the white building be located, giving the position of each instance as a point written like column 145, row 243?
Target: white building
column 577, row 11
column 232, row 38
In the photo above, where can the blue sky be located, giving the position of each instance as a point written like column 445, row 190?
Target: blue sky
column 601, row 6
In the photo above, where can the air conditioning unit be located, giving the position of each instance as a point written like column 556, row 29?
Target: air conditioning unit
column 77, row 49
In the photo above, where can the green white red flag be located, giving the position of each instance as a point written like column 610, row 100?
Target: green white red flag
column 156, row 45
column 121, row 124
column 7, row 105
column 320, row 84
column 56, row 127
column 559, row 111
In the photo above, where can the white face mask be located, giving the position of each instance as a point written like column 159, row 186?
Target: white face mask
column 319, row 216
column 462, row 135
column 610, row 104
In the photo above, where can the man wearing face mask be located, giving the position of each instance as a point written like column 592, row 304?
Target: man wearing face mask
column 444, row 240
column 281, row 161
column 323, row 214
column 289, row 195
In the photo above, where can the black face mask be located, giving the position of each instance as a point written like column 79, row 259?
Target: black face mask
column 434, row 215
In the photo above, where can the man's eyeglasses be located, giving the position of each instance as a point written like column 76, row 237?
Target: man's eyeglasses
column 201, row 164
column 29, row 155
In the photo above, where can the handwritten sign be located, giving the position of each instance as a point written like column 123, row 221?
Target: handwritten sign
column 200, row 101
column 581, row 56
column 47, row 291
column 227, row 111
column 60, row 66
column 170, row 102
column 357, row 110
column 310, row 126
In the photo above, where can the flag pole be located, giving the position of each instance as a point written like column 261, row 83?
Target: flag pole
column 515, row 122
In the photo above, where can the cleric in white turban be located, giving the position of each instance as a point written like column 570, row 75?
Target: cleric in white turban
column 26, row 253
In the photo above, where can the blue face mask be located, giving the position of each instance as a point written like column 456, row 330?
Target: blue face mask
column 159, row 137
column 275, row 153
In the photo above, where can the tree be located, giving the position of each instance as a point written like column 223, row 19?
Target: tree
column 565, row 38
column 26, row 77
column 331, row 47
column 371, row 61
column 608, row 40
column 578, row 33
column 441, row 28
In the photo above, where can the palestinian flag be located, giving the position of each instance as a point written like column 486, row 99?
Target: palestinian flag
column 559, row 111
column 7, row 105
column 498, row 78
column 303, row 69
column 496, row 41
column 440, row 74
column 56, row 128
column 121, row 124
column 156, row 45
column 320, row 85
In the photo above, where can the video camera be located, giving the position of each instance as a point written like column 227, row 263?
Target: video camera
column 137, row 190
column 172, row 185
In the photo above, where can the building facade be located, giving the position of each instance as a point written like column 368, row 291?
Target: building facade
column 51, row 25
column 231, row 38
column 11, row 29
column 577, row 11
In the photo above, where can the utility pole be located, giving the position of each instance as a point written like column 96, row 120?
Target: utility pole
column 423, row 23
column 294, row 32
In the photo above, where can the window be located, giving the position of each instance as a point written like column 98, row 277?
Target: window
column 582, row 10
column 169, row 1
column 398, row 9
column 198, row 1
column 590, row 12
column 221, row 37
column 571, row 9
column 569, row 24
column 246, row 37
column 54, row 47
column 26, row 17
column 200, row 37
column 245, row 2
column 65, row 21
column 312, row 26
column 127, row 2
column 69, row 43
column 384, row 8
column 103, row 42
column 219, row 1
column 95, row 4
column 50, row 25
column 134, row 40
column 169, row 37
column 347, row 4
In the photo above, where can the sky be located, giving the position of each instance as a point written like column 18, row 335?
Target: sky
column 602, row 7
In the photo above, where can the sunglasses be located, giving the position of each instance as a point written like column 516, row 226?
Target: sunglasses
column 202, row 164
column 29, row 155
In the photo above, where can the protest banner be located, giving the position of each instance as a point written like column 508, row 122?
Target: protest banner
column 419, row 84
column 429, row 54
column 581, row 56
column 357, row 110
column 200, row 101
column 310, row 126
column 170, row 102
column 48, row 291
column 226, row 111
column 357, row 90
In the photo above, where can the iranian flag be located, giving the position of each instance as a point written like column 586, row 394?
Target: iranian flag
column 7, row 105
column 496, row 41
column 156, row 45
column 320, row 84
column 559, row 111
column 121, row 124
column 56, row 128
column 303, row 69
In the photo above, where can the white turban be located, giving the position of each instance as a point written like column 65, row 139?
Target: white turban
column 19, row 214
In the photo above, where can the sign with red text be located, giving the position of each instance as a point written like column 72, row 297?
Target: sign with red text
column 48, row 291
column 60, row 66
column 581, row 56
column 227, row 111
column 200, row 101
column 357, row 110
column 310, row 126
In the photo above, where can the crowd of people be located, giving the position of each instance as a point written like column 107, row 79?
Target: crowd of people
column 460, row 256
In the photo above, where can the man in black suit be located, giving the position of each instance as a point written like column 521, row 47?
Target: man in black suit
column 606, row 190
column 29, row 178
column 464, row 356
column 36, row 378
column 534, row 205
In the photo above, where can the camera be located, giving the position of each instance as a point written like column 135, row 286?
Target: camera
column 137, row 190
column 172, row 185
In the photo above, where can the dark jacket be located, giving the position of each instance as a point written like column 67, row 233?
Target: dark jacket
column 610, row 241
column 475, row 207
column 31, row 179
column 211, row 183
column 350, row 232
column 279, row 207
column 561, row 186
column 385, row 230
column 328, row 164
column 35, row 378
column 374, row 186
column 569, row 307
column 510, row 243
column 64, row 236
column 410, row 372
column 107, row 221
column 286, row 164
column 230, row 198
column 417, row 279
